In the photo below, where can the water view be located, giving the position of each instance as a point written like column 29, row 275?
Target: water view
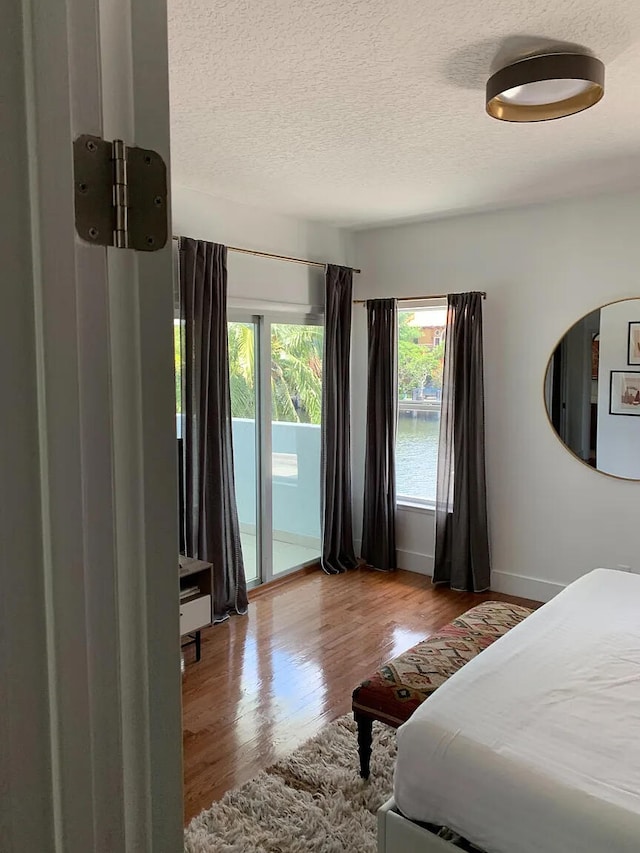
column 416, row 456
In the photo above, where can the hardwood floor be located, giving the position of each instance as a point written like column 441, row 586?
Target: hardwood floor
column 270, row 680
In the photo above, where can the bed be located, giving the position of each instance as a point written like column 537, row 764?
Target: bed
column 534, row 745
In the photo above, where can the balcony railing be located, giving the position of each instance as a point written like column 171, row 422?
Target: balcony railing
column 295, row 478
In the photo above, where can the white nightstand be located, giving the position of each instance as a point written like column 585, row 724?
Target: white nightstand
column 196, row 599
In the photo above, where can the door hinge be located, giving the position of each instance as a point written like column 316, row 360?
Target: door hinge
column 120, row 194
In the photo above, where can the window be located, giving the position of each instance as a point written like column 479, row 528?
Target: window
column 421, row 331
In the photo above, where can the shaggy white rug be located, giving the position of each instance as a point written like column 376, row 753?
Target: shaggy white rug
column 314, row 801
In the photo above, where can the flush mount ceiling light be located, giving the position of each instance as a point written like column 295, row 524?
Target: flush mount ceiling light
column 545, row 87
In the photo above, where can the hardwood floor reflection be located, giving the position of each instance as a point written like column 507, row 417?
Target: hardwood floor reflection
column 269, row 681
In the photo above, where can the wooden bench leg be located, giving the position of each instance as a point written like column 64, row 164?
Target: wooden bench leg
column 365, row 737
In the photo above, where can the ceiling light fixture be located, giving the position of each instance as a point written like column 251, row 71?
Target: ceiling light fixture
column 544, row 87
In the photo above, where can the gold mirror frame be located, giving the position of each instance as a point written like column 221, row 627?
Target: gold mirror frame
column 544, row 396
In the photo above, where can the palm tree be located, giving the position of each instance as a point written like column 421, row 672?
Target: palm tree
column 242, row 370
column 296, row 372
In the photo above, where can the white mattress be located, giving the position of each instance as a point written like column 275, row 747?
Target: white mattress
column 534, row 746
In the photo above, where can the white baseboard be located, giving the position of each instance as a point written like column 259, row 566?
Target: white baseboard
column 410, row 561
column 536, row 589
column 421, row 564
column 522, row 586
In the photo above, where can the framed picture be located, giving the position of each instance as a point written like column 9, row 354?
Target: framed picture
column 624, row 398
column 633, row 345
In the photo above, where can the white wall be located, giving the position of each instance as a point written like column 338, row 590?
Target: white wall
column 552, row 518
column 618, row 435
column 200, row 215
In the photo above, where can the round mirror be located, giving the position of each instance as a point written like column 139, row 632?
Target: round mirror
column 592, row 389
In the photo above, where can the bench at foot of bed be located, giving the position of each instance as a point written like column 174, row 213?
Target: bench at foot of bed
column 395, row 690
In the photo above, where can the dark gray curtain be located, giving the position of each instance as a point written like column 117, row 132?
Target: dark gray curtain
column 462, row 541
column 379, row 517
column 211, row 523
column 337, row 529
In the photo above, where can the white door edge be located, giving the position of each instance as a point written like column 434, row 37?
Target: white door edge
column 89, row 532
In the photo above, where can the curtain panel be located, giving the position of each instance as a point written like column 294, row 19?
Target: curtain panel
column 379, row 516
column 337, row 528
column 212, row 531
column 462, row 542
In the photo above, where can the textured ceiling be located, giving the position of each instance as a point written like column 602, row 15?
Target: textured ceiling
column 370, row 111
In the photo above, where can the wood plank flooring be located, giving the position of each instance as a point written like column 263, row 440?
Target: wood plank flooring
column 269, row 681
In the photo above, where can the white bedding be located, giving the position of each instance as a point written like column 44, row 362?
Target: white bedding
column 534, row 746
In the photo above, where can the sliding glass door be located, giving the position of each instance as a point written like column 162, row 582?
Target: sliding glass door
column 296, row 404
column 275, row 368
column 243, row 372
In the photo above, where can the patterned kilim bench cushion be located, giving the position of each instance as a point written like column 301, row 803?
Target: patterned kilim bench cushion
column 393, row 693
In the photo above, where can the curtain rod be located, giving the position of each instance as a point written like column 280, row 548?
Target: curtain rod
column 415, row 298
column 280, row 257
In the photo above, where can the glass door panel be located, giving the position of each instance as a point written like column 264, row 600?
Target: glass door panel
column 244, row 396
column 296, row 400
